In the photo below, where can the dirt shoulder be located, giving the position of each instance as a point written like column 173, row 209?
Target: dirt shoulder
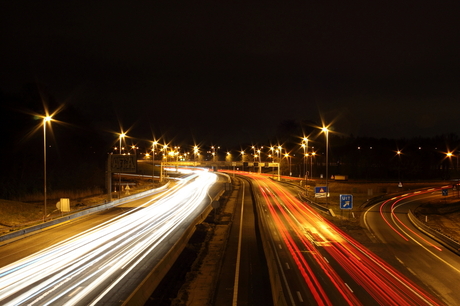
column 442, row 215
column 16, row 215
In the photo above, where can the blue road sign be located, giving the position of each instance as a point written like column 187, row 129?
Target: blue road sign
column 321, row 189
column 445, row 192
column 346, row 201
column 321, row 192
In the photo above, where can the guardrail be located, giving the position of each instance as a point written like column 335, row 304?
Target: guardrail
column 143, row 292
column 315, row 205
column 83, row 212
column 448, row 242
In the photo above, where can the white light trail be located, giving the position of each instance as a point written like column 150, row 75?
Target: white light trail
column 97, row 259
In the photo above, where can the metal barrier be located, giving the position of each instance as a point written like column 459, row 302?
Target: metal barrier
column 448, row 242
column 83, row 212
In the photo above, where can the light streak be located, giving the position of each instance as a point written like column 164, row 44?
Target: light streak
column 96, row 260
column 306, row 234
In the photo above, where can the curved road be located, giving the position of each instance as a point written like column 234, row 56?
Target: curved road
column 433, row 264
column 321, row 265
column 103, row 264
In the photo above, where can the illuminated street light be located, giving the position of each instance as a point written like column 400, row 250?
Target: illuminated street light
column 154, row 145
column 326, row 132
column 45, row 120
column 260, row 160
column 450, row 155
column 305, row 154
column 399, row 166
column 195, row 152
column 289, row 160
column 215, row 151
column 311, row 163
column 122, row 135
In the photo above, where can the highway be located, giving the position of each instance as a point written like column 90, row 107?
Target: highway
column 244, row 278
column 320, row 264
column 433, row 264
column 103, row 264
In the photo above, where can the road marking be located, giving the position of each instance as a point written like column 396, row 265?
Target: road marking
column 299, row 296
column 426, row 249
column 279, row 245
column 75, row 291
column 288, row 267
column 348, row 287
column 411, row 271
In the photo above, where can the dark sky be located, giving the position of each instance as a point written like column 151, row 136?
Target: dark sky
column 234, row 69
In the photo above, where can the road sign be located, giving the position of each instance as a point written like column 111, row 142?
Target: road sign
column 445, row 192
column 123, row 163
column 346, row 201
column 321, row 192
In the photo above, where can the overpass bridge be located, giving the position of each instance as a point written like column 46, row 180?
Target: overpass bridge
column 222, row 164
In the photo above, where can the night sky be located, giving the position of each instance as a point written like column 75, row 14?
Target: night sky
column 231, row 71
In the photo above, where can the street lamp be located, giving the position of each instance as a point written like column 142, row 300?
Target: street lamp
column 195, row 152
column 215, row 151
column 326, row 132
column 260, row 160
column 154, row 145
column 122, row 135
column 399, row 166
column 450, row 154
column 311, row 164
column 289, row 160
column 305, row 154
column 45, row 120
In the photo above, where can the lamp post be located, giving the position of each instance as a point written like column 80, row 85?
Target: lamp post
column 260, row 160
column 311, row 164
column 154, row 144
column 305, row 154
column 122, row 135
column 289, row 160
column 215, row 151
column 326, row 132
column 449, row 155
column 195, row 152
column 45, row 120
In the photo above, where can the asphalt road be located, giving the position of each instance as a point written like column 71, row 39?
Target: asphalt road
column 321, row 265
column 98, row 259
column 244, row 278
column 431, row 263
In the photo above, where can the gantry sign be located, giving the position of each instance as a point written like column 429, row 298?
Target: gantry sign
column 123, row 163
column 118, row 163
column 235, row 165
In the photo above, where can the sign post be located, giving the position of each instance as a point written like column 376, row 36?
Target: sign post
column 120, row 164
column 346, row 202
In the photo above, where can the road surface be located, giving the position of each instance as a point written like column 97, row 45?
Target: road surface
column 103, row 264
column 436, row 266
column 320, row 264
